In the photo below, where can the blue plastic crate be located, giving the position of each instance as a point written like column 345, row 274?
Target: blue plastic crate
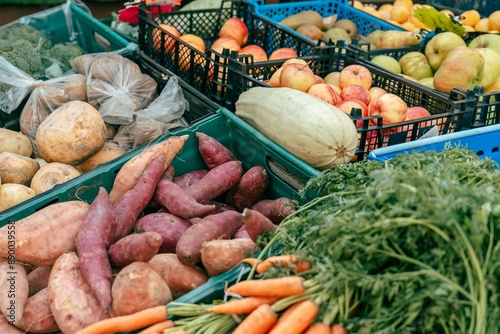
column 484, row 141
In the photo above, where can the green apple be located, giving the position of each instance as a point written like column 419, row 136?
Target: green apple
column 490, row 41
column 462, row 68
column 495, row 87
column 439, row 46
column 491, row 66
column 429, row 82
column 387, row 62
column 415, row 64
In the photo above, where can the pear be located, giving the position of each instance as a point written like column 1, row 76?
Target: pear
column 429, row 82
column 415, row 64
column 336, row 34
column 490, row 41
column 305, row 17
column 462, row 68
column 348, row 26
column 387, row 62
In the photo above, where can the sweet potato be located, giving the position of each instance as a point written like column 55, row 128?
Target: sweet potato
column 46, row 234
column 219, row 180
column 170, row 228
column 251, row 187
column 241, row 233
column 7, row 328
column 276, row 210
column 132, row 170
column 233, row 251
column 130, row 205
column 92, row 242
column 220, row 207
column 38, row 279
column 189, row 178
column 219, row 226
column 134, row 247
column 178, row 202
column 138, row 287
column 37, row 317
column 256, row 223
column 14, row 289
column 212, row 151
column 168, row 174
column 72, row 303
column 179, row 277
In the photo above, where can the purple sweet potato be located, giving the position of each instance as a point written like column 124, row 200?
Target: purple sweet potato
column 38, row 279
column 178, row 202
column 212, row 151
column 251, row 187
column 168, row 174
column 130, row 205
column 276, row 210
column 256, row 223
column 170, row 228
column 242, row 233
column 219, row 226
column 234, row 251
column 194, row 220
column 134, row 247
column 219, row 180
column 187, row 179
column 37, row 317
column 179, row 277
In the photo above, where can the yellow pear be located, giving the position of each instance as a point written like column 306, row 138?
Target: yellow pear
column 491, row 66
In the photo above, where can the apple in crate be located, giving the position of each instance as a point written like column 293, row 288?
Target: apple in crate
column 168, row 40
column 355, row 75
column 390, row 107
column 332, row 78
column 274, row 81
column 348, row 105
column 294, row 61
column 415, row 113
column 325, row 93
column 296, row 76
column 225, row 43
column 358, row 92
column 283, row 53
column 185, row 53
column 318, row 79
column 335, row 88
column 235, row 28
column 258, row 53
column 376, row 92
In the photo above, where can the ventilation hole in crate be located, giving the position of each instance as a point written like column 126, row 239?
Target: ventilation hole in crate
column 495, row 149
column 55, row 200
column 480, row 153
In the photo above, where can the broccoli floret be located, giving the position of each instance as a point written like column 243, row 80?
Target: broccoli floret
column 63, row 53
column 24, row 31
column 21, row 54
column 17, row 59
column 5, row 46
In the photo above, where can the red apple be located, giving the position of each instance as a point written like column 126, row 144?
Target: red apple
column 168, row 40
column 332, row 78
column 335, row 88
column 318, row 79
column 376, row 92
column 235, row 28
column 390, row 107
column 294, row 61
column 356, row 92
column 415, row 113
column 195, row 42
column 283, row 53
column 355, row 75
column 297, row 76
column 225, row 43
column 274, row 81
column 324, row 92
column 258, row 53
column 347, row 106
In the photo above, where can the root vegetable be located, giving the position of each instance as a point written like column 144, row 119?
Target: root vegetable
column 37, row 317
column 275, row 209
column 12, row 194
column 132, row 170
column 179, row 277
column 15, row 168
column 92, row 242
column 241, row 233
column 46, row 234
column 134, row 247
column 256, row 223
column 251, row 187
column 38, row 279
column 15, row 142
column 189, row 178
column 168, row 174
column 216, row 182
column 75, row 87
column 219, row 226
column 397, row 39
column 72, row 302
column 51, row 174
column 170, row 228
column 14, row 289
column 178, row 202
column 218, row 256
column 130, row 205
column 212, row 151
column 108, row 152
column 138, row 287
column 7, row 328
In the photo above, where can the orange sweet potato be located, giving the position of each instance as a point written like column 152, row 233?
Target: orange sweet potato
column 233, row 251
column 46, row 234
column 14, row 289
column 37, row 317
column 134, row 247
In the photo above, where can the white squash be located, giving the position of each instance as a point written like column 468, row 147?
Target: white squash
column 313, row 130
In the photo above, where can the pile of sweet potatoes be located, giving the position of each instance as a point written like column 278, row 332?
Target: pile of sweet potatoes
column 153, row 237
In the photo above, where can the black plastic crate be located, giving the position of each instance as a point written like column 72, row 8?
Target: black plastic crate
column 207, row 71
column 449, row 113
column 487, row 107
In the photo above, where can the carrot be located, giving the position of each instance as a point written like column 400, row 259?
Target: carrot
column 318, row 328
column 272, row 287
column 242, row 306
column 285, row 315
column 132, row 170
column 158, row 328
column 298, row 318
column 257, row 322
column 129, row 322
column 338, row 329
column 286, row 261
column 250, row 261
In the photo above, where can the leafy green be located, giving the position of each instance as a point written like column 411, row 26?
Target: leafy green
column 412, row 245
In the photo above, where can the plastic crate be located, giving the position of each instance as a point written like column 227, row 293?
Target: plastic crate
column 67, row 23
column 449, row 113
column 484, row 141
column 207, row 71
column 484, row 7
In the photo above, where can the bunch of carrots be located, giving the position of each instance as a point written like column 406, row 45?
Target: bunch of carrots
column 288, row 304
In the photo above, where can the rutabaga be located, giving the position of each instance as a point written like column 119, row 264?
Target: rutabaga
column 313, row 130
